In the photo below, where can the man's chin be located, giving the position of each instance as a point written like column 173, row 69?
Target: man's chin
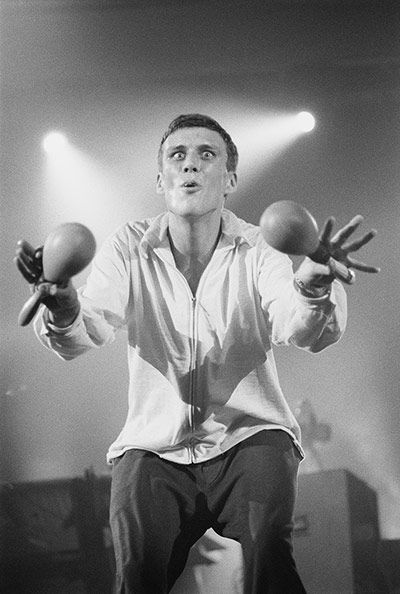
column 191, row 213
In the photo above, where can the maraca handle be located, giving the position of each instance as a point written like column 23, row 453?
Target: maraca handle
column 29, row 309
column 341, row 272
column 338, row 269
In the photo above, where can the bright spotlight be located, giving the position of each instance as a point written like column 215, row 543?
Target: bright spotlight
column 54, row 142
column 305, row 121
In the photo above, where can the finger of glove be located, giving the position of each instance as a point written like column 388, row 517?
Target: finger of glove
column 326, row 230
column 28, row 258
column 362, row 266
column 358, row 243
column 344, row 233
column 28, row 252
column 26, row 247
column 39, row 254
column 26, row 271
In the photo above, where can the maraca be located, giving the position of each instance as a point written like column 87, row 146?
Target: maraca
column 290, row 228
column 67, row 251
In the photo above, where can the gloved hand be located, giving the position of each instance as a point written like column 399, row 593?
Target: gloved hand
column 331, row 259
column 61, row 300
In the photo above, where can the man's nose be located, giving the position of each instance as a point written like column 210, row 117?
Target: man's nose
column 191, row 164
column 189, row 168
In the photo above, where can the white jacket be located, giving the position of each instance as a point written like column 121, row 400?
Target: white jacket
column 202, row 370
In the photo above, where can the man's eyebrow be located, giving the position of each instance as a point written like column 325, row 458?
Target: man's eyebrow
column 178, row 147
column 201, row 147
column 207, row 147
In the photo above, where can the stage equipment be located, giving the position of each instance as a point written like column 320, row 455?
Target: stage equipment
column 336, row 534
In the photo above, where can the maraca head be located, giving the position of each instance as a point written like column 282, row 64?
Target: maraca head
column 67, row 251
column 290, row 228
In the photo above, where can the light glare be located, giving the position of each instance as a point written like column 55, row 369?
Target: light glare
column 306, row 121
column 54, row 142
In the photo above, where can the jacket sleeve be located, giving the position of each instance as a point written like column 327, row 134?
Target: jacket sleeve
column 104, row 300
column 310, row 324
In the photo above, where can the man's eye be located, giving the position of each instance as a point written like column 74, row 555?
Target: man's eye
column 178, row 155
column 208, row 155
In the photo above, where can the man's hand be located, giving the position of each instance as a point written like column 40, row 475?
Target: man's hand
column 336, row 247
column 61, row 300
column 29, row 261
column 317, row 272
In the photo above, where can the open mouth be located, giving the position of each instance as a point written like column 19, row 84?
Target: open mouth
column 190, row 184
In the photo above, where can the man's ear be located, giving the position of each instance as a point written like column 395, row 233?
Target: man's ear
column 160, row 184
column 231, row 182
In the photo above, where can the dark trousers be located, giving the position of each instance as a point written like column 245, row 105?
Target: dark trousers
column 159, row 509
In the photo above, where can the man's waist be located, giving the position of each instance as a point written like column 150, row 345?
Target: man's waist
column 196, row 447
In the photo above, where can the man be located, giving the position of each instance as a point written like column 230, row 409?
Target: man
column 209, row 439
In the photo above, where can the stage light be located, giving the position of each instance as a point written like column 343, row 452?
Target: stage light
column 75, row 187
column 54, row 142
column 262, row 138
column 305, row 121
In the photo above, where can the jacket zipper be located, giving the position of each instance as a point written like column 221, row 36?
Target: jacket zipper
column 192, row 365
column 192, row 373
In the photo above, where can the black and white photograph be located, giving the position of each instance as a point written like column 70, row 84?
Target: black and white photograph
column 200, row 222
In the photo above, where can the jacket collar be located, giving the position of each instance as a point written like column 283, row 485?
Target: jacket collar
column 156, row 235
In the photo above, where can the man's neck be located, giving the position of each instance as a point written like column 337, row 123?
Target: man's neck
column 194, row 237
column 193, row 242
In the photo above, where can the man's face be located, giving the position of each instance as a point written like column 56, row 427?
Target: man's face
column 194, row 178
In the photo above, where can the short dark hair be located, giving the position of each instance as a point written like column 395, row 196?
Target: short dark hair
column 196, row 120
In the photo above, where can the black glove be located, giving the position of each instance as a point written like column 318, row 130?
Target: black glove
column 331, row 259
column 61, row 300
